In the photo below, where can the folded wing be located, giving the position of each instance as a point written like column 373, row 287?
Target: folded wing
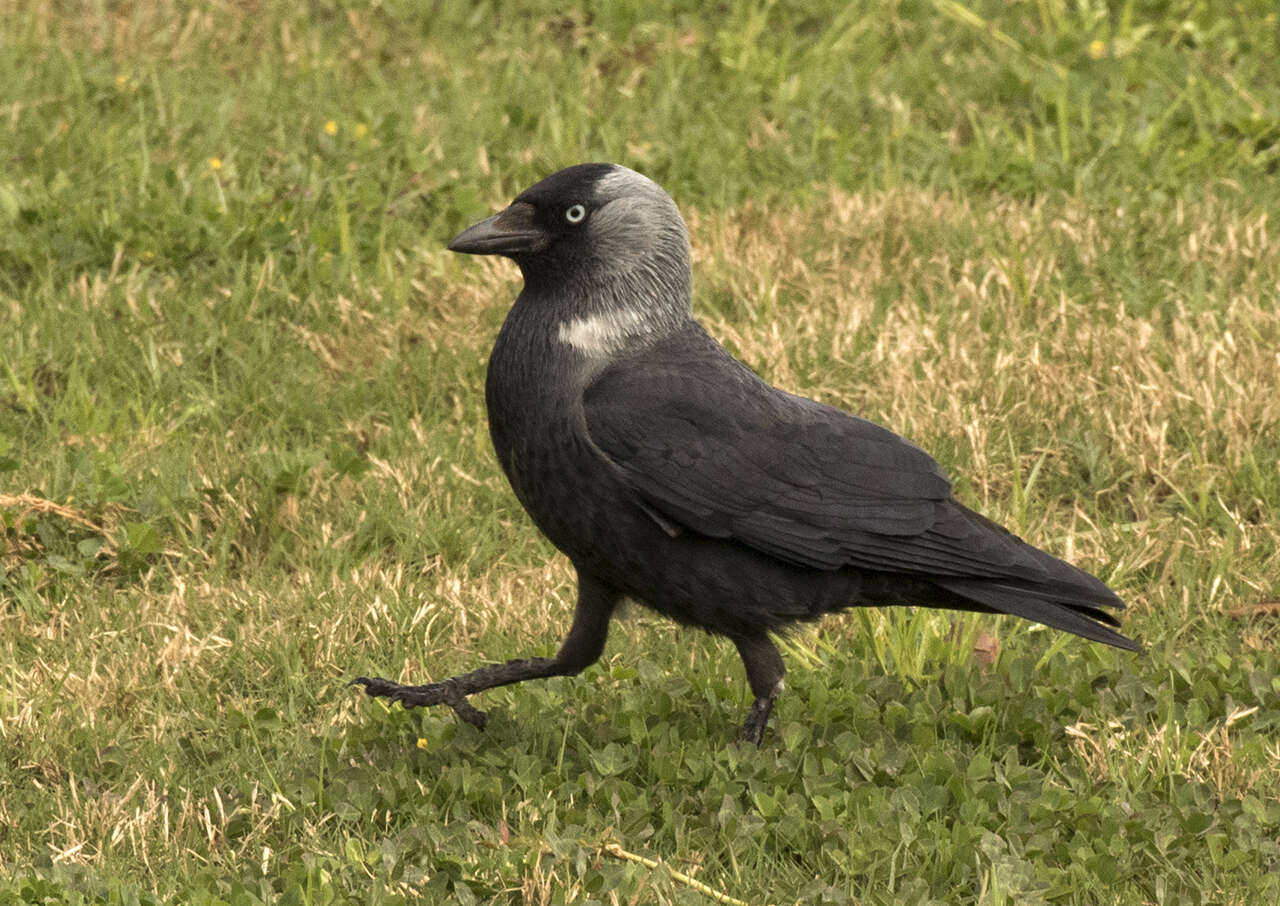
column 708, row 445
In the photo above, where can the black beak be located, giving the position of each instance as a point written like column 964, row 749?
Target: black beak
column 509, row 232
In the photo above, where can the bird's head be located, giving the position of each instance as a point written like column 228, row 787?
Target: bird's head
column 592, row 229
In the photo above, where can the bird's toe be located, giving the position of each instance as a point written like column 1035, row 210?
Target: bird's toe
column 375, row 686
column 753, row 730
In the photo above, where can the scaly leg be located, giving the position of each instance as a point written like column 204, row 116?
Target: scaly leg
column 581, row 648
column 764, row 673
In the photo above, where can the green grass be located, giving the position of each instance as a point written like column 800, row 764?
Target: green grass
column 243, row 454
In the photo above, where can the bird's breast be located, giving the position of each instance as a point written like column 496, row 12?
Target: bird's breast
column 534, row 397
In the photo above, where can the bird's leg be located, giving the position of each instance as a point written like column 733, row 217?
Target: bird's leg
column 764, row 673
column 581, row 648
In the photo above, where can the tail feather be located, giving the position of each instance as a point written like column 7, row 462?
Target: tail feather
column 1052, row 607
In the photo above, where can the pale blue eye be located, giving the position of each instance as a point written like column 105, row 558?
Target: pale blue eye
column 575, row 213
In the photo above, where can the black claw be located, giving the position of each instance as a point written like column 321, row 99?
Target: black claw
column 758, row 718
column 753, row 732
column 375, row 686
column 471, row 715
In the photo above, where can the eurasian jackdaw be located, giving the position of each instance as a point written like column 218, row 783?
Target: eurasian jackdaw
column 671, row 474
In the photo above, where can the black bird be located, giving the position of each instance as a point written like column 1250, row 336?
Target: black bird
column 671, row 474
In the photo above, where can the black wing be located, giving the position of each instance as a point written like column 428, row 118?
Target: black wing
column 708, row 445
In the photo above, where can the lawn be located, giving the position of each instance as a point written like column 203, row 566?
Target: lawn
column 244, row 457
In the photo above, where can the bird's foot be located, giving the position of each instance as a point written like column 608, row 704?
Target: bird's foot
column 424, row 696
column 757, row 719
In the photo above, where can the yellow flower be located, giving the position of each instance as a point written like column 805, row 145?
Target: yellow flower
column 422, row 742
column 215, row 163
column 1097, row 49
column 331, row 128
column 361, row 130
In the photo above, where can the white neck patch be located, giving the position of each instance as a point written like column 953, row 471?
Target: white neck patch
column 604, row 333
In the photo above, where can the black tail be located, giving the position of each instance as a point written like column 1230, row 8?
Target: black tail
column 1068, row 606
column 1035, row 585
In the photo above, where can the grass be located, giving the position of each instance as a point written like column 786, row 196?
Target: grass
column 243, row 454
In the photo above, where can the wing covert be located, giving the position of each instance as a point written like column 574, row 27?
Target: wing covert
column 709, row 445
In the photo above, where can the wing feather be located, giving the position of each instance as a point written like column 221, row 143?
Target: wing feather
column 706, row 445
column 710, row 446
